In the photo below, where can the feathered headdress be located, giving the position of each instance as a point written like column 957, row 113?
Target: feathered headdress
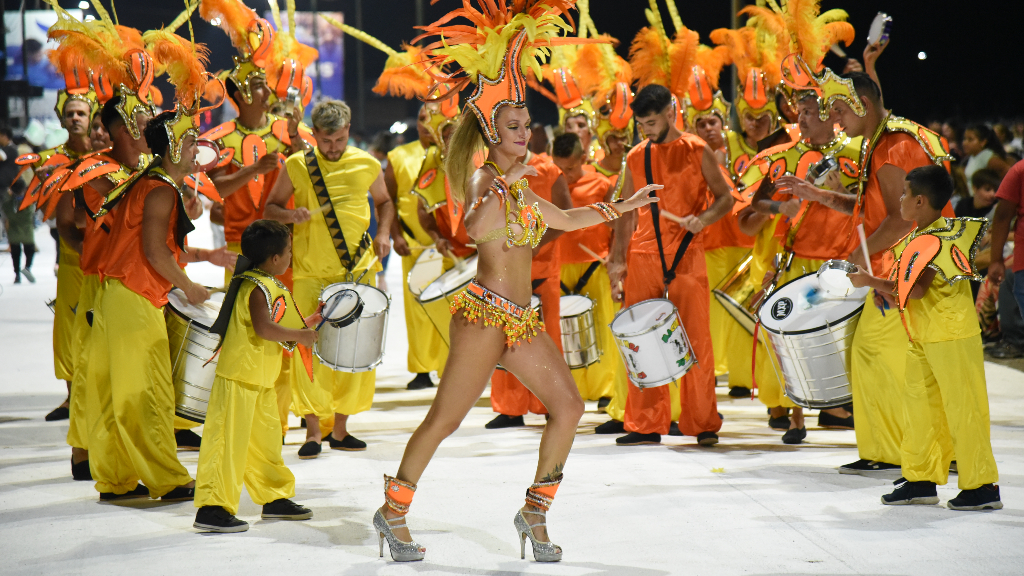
column 289, row 58
column 250, row 35
column 77, row 79
column 505, row 39
column 185, row 64
column 703, row 97
column 751, row 51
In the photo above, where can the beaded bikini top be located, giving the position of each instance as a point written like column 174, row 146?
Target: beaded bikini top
column 517, row 211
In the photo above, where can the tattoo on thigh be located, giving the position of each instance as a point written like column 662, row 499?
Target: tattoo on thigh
column 555, row 474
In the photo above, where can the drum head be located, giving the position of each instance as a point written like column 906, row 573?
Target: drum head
column 803, row 306
column 374, row 301
column 879, row 30
column 451, row 280
column 428, row 267
column 342, row 308
column 574, row 305
column 204, row 314
column 207, row 155
column 642, row 317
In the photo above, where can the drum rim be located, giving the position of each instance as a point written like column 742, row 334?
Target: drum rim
column 457, row 288
column 591, row 309
column 188, row 319
column 387, row 297
column 648, row 330
column 806, row 330
column 416, row 263
column 346, row 319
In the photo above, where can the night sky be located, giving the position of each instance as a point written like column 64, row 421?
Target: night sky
column 972, row 71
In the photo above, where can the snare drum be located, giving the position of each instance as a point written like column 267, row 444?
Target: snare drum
column 359, row 346
column 428, row 267
column 739, row 295
column 653, row 343
column 579, row 336
column 436, row 298
column 811, row 332
column 192, row 345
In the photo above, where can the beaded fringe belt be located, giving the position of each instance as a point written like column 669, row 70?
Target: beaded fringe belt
column 517, row 322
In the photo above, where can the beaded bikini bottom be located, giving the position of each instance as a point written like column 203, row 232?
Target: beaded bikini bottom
column 477, row 302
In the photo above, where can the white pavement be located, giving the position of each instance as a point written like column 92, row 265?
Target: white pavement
column 751, row 505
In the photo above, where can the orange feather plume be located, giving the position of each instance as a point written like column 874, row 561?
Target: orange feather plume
column 712, row 60
column 404, row 75
column 234, row 20
column 649, row 58
column 682, row 55
column 742, row 47
column 184, row 63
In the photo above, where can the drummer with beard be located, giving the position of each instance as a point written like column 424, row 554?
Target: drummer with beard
column 331, row 244
column 689, row 170
column 241, row 435
column 894, row 147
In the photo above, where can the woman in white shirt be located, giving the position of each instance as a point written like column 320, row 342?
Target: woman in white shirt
column 982, row 149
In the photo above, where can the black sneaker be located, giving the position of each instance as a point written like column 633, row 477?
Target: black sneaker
column 636, row 439
column 309, row 450
column 603, row 403
column 349, row 443
column 794, row 435
column 1005, row 351
column 610, row 427
column 781, row 423
column 285, row 509
column 217, row 519
column 503, row 421
column 187, row 440
column 80, row 471
column 673, row 429
column 179, row 494
column 58, row 413
column 826, row 420
column 870, row 468
column 984, row 498
column 707, row 438
column 739, row 392
column 139, row 491
column 421, row 381
column 907, row 493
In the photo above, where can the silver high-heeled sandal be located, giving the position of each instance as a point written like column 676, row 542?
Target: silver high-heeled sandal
column 542, row 551
column 401, row 551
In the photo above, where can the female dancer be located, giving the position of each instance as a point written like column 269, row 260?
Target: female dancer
column 492, row 321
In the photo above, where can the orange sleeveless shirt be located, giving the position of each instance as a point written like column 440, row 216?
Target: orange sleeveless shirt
column 592, row 187
column 545, row 262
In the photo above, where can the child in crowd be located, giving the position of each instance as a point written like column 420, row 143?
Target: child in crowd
column 242, row 434
column 946, row 398
column 985, row 183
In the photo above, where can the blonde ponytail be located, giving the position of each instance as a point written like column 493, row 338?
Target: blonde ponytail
column 467, row 140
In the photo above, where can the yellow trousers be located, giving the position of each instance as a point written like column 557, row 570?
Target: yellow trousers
column 132, row 438
column 603, row 378
column 726, row 333
column 241, row 446
column 946, row 414
column 283, row 390
column 877, row 376
column 332, row 391
column 69, row 287
column 770, row 388
column 427, row 351
column 78, row 415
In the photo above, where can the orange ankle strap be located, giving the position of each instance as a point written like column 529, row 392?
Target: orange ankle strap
column 542, row 494
column 398, row 494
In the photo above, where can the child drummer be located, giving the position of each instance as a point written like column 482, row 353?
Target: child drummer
column 242, row 435
column 946, row 398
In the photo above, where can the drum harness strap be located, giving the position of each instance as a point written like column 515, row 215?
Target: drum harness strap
column 669, row 274
column 582, row 281
column 348, row 260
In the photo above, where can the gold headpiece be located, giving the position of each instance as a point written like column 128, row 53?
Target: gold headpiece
column 704, row 98
column 288, row 59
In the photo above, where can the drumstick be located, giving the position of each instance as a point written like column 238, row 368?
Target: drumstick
column 216, row 290
column 325, row 208
column 864, row 247
column 591, row 253
column 671, row 216
column 368, row 266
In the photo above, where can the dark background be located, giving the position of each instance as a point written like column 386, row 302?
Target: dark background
column 973, row 71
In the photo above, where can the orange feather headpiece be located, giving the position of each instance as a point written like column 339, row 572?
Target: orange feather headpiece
column 703, row 97
column 251, row 35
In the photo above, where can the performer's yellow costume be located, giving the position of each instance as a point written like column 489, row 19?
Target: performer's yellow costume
column 241, row 439
column 316, row 265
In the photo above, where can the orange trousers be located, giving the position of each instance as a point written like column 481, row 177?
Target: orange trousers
column 650, row 411
column 508, row 395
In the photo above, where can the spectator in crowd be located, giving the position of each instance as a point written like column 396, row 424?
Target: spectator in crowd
column 985, row 183
column 982, row 149
column 1010, row 205
column 20, row 225
column 951, row 130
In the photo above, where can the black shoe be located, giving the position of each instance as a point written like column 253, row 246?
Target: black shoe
column 80, row 471
column 610, row 427
column 187, row 440
column 826, row 420
column 139, row 491
column 794, row 435
column 673, row 429
column 302, row 422
column 953, row 468
column 179, row 494
column 309, row 450
column 603, row 403
column 636, row 438
column 349, row 442
column 1005, row 351
column 503, row 421
column 217, row 519
column 707, row 438
column 421, row 381
column 739, row 392
column 984, row 498
column 907, row 493
column 780, row 423
column 870, row 468
column 58, row 413
column 285, row 509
